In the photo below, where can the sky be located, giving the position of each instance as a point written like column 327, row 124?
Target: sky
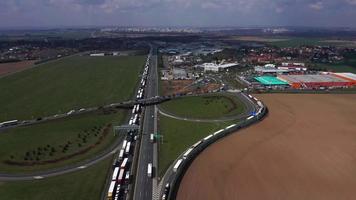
column 55, row 13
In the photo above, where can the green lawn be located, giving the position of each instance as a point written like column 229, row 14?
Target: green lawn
column 86, row 184
column 205, row 107
column 178, row 136
column 75, row 134
column 70, row 83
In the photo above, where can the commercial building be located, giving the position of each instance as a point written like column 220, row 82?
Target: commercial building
column 315, row 81
column 217, row 67
column 348, row 76
column 270, row 81
column 179, row 74
column 270, row 70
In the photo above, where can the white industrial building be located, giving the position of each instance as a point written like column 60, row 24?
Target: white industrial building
column 217, row 67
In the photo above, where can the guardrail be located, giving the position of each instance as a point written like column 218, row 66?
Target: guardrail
column 204, row 143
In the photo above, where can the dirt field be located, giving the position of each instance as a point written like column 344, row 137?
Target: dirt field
column 7, row 68
column 305, row 149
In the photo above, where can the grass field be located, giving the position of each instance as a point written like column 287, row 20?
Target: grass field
column 56, row 140
column 70, row 83
column 178, row 136
column 86, row 184
column 348, row 65
column 204, row 107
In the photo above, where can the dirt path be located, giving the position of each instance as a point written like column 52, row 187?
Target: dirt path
column 305, row 149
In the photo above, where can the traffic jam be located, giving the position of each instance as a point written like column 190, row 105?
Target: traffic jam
column 121, row 174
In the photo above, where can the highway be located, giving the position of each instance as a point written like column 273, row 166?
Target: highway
column 143, row 183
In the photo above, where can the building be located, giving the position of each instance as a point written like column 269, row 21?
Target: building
column 271, row 70
column 180, row 74
column 270, row 81
column 217, row 67
column 348, row 76
column 316, row 81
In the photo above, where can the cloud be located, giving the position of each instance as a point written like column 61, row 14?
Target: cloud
column 352, row 2
column 317, row 5
column 177, row 12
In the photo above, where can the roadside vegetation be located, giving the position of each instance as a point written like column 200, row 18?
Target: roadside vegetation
column 66, row 84
column 57, row 143
column 204, row 107
column 85, row 184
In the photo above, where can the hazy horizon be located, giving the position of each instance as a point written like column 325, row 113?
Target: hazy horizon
column 197, row 13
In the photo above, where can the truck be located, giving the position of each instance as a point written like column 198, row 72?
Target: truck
column 186, row 154
column 128, row 146
column 115, row 173
column 250, row 117
column 111, row 190
column 124, row 162
column 127, row 177
column 219, row 131
column 231, row 126
column 197, row 144
column 152, row 138
column 176, row 166
column 208, row 137
column 167, row 187
column 9, row 123
column 120, row 178
column 121, row 154
column 149, row 170
column 124, row 144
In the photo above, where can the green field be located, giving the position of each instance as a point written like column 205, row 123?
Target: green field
column 205, row 107
column 178, row 136
column 66, row 84
column 86, row 184
column 57, row 140
column 348, row 65
column 296, row 42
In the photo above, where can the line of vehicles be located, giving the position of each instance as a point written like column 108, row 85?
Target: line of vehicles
column 121, row 176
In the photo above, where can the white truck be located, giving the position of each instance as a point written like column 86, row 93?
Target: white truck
column 128, row 147
column 149, row 170
column 186, row 154
column 152, row 138
column 176, row 166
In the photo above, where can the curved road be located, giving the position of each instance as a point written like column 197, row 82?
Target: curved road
column 243, row 99
column 169, row 174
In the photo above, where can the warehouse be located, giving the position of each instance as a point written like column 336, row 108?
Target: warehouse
column 217, row 67
column 348, row 76
column 315, row 81
column 270, row 81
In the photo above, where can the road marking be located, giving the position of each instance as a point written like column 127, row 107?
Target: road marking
column 38, row 177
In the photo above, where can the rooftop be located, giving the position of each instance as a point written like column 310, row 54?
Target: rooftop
column 314, row 78
column 270, row 80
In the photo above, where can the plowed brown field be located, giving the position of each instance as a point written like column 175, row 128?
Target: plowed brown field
column 8, row 68
column 304, row 149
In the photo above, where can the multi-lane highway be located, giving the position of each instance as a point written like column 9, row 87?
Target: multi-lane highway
column 143, row 183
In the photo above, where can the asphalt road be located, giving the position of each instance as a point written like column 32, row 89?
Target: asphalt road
column 143, row 185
